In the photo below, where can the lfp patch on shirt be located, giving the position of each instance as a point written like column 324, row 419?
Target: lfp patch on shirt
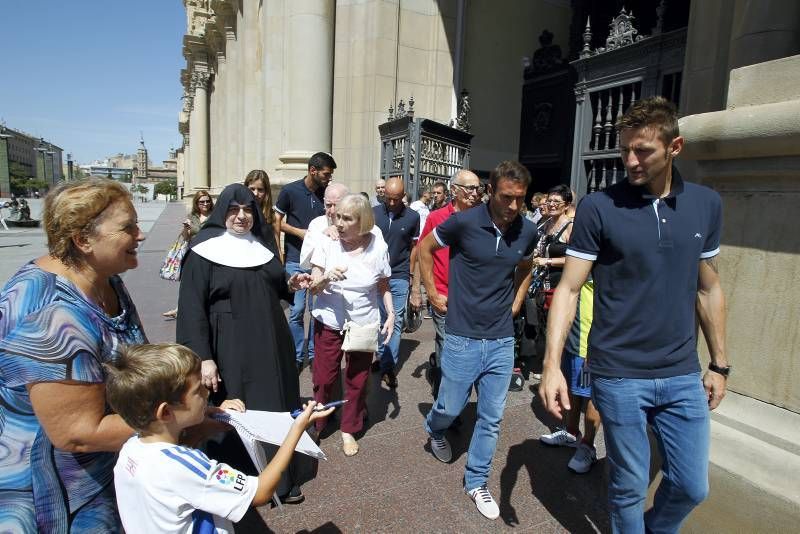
column 229, row 477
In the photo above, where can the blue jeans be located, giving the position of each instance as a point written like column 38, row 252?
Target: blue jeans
column 296, row 318
column 438, row 327
column 486, row 363
column 677, row 410
column 391, row 350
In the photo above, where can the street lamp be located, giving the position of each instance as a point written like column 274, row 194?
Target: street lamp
column 41, row 172
column 69, row 166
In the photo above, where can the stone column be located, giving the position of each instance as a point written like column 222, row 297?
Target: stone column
column 310, row 85
column 763, row 31
column 181, row 171
column 724, row 35
column 199, row 129
column 230, row 106
column 750, row 154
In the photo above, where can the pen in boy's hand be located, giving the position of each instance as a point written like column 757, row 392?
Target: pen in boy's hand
column 319, row 407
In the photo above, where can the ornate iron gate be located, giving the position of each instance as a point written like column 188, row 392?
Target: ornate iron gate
column 610, row 79
column 423, row 151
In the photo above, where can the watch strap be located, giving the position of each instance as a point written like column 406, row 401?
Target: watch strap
column 724, row 371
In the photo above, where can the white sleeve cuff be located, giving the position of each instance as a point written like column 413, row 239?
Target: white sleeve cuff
column 280, row 210
column 581, row 255
column 437, row 238
column 709, row 254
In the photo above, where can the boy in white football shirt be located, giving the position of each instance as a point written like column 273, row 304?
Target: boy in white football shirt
column 165, row 487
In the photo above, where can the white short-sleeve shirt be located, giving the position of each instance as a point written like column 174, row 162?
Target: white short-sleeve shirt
column 168, row 488
column 315, row 235
column 356, row 297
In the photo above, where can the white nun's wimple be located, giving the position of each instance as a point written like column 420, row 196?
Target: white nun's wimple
column 234, row 251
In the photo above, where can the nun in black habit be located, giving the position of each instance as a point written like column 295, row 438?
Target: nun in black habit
column 230, row 315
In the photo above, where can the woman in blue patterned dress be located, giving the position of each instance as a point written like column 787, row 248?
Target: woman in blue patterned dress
column 61, row 316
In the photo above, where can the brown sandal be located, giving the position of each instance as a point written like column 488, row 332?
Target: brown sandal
column 349, row 445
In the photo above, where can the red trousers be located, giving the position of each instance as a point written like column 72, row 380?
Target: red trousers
column 327, row 367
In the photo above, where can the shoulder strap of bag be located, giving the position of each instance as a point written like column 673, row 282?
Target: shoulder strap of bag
column 561, row 230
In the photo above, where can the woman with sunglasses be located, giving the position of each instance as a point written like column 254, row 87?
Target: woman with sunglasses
column 550, row 254
column 202, row 204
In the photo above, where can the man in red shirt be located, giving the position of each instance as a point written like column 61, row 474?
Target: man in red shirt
column 465, row 190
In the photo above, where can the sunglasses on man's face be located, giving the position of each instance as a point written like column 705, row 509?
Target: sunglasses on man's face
column 470, row 188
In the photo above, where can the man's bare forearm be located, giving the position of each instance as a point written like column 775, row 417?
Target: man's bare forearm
column 711, row 313
column 289, row 229
column 415, row 281
column 522, row 281
column 425, row 255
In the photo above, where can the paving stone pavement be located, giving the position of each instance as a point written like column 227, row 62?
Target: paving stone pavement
column 394, row 484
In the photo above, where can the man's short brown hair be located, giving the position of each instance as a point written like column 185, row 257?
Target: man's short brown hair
column 144, row 376
column 654, row 112
column 510, row 170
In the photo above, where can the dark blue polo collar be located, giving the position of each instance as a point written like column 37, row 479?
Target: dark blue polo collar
column 308, row 191
column 392, row 214
column 676, row 187
column 486, row 221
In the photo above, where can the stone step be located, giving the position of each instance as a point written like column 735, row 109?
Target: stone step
column 759, row 443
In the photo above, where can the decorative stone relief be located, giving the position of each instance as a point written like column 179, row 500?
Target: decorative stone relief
column 200, row 79
column 548, row 57
column 621, row 33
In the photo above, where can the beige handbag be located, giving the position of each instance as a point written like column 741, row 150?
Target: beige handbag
column 360, row 338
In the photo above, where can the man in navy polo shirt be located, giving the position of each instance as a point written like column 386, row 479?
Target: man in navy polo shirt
column 298, row 203
column 400, row 227
column 491, row 247
column 650, row 243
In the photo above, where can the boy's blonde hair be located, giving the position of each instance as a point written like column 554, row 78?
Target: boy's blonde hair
column 144, row 376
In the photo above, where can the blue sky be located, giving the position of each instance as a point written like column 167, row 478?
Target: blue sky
column 89, row 75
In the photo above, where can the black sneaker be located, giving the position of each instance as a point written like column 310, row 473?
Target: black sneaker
column 295, row 496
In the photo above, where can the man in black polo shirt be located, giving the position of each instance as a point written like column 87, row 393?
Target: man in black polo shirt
column 491, row 248
column 400, row 227
column 298, row 203
column 650, row 243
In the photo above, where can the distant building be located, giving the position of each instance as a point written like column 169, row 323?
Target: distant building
column 140, row 169
column 136, row 168
column 25, row 156
column 143, row 171
column 119, row 167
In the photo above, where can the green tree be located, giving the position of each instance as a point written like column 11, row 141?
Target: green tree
column 20, row 177
column 168, row 187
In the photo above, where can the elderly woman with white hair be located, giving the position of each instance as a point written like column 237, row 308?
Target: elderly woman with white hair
column 349, row 276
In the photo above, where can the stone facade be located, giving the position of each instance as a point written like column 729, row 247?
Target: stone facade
column 268, row 83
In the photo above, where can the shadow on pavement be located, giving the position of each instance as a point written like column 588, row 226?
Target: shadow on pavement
column 577, row 502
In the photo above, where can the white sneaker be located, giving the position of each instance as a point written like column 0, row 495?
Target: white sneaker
column 484, row 501
column 441, row 449
column 583, row 459
column 559, row 438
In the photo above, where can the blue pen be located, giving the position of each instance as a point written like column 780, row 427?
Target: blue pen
column 319, row 408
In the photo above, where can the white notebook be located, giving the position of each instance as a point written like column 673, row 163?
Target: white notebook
column 269, row 427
